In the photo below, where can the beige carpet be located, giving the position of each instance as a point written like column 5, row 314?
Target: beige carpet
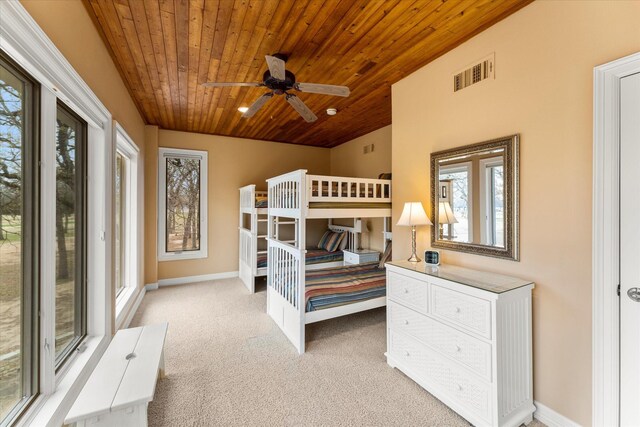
column 228, row 364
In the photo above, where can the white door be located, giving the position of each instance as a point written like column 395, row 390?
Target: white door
column 630, row 250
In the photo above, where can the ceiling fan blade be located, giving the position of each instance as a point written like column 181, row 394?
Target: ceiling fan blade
column 257, row 105
column 323, row 89
column 276, row 67
column 301, row 108
column 228, row 84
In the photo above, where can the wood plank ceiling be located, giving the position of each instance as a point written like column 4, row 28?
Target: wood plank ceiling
column 165, row 49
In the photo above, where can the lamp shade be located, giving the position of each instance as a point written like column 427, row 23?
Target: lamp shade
column 445, row 214
column 413, row 214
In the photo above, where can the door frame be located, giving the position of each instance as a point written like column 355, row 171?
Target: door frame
column 606, row 242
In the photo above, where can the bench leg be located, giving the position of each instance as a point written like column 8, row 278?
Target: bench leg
column 161, row 373
column 133, row 416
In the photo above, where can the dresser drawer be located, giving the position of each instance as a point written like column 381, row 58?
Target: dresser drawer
column 470, row 313
column 468, row 351
column 407, row 291
column 473, row 395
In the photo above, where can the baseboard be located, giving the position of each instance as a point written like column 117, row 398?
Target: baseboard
column 194, row 279
column 151, row 286
column 134, row 308
column 551, row 418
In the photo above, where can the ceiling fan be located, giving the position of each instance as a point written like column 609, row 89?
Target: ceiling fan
column 280, row 81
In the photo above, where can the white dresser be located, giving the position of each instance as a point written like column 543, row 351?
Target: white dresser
column 465, row 336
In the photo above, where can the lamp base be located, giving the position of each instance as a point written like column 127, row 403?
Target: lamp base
column 414, row 258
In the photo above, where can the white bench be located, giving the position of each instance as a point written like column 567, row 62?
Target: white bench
column 123, row 383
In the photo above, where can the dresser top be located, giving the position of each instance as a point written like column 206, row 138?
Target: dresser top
column 492, row 282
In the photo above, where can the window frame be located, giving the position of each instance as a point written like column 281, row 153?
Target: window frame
column 130, row 152
column 466, row 167
column 30, row 301
column 163, row 153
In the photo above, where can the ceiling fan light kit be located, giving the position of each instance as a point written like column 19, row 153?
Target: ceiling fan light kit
column 280, row 82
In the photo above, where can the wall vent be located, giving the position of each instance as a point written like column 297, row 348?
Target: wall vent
column 475, row 73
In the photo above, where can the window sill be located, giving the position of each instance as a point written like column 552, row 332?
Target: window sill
column 182, row 256
column 51, row 409
column 124, row 304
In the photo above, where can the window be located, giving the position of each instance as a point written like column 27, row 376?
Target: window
column 461, row 200
column 492, row 201
column 120, row 189
column 70, row 232
column 19, row 152
column 182, row 183
column 126, row 254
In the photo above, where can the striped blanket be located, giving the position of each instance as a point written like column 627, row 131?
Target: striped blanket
column 332, row 287
column 314, row 256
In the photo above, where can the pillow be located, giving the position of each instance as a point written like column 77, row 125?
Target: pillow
column 261, row 201
column 330, row 241
column 386, row 256
column 345, row 241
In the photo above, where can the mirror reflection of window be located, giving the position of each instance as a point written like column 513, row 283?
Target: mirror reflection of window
column 492, row 201
column 460, row 200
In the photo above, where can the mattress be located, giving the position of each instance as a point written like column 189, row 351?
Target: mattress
column 333, row 287
column 314, row 256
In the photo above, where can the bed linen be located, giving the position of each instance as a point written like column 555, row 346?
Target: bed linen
column 333, row 287
column 314, row 256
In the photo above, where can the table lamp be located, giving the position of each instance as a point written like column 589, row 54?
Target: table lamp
column 413, row 215
column 445, row 216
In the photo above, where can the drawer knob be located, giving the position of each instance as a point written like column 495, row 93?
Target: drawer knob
column 406, row 291
column 456, row 310
column 406, row 322
column 457, row 347
column 459, row 387
column 406, row 353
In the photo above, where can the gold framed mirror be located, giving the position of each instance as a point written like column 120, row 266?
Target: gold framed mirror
column 474, row 198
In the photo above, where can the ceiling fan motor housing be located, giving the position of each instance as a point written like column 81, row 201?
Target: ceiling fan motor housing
column 279, row 86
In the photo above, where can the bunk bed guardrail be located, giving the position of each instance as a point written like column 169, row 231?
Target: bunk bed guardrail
column 343, row 189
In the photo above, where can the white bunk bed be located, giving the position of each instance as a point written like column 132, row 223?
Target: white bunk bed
column 298, row 197
column 253, row 229
column 251, row 215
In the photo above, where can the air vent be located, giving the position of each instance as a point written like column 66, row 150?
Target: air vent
column 475, row 73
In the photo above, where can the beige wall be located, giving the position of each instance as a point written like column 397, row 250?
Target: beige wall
column 545, row 56
column 151, row 203
column 349, row 159
column 233, row 163
column 68, row 24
